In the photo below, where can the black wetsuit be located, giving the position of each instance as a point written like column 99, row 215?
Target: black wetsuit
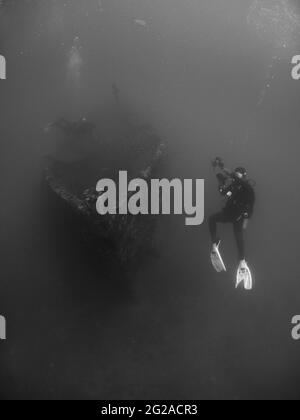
column 239, row 206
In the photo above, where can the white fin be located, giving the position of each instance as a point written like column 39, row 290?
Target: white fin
column 244, row 276
column 216, row 259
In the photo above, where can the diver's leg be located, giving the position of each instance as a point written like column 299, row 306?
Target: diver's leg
column 239, row 237
column 213, row 221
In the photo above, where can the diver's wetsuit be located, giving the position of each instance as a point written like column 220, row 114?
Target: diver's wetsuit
column 239, row 206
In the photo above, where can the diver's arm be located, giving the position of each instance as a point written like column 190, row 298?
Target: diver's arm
column 223, row 174
column 225, row 184
column 224, row 177
column 227, row 172
column 219, row 167
column 222, row 182
column 227, row 191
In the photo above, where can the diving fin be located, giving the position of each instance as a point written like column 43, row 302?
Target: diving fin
column 244, row 276
column 216, row 258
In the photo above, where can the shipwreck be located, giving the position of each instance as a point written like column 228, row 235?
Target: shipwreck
column 80, row 158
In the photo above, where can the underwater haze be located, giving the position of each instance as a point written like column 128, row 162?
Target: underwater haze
column 214, row 79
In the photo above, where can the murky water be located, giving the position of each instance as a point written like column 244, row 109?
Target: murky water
column 196, row 70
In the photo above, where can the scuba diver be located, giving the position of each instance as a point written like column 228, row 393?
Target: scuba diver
column 240, row 199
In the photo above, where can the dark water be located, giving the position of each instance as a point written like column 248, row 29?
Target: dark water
column 175, row 329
